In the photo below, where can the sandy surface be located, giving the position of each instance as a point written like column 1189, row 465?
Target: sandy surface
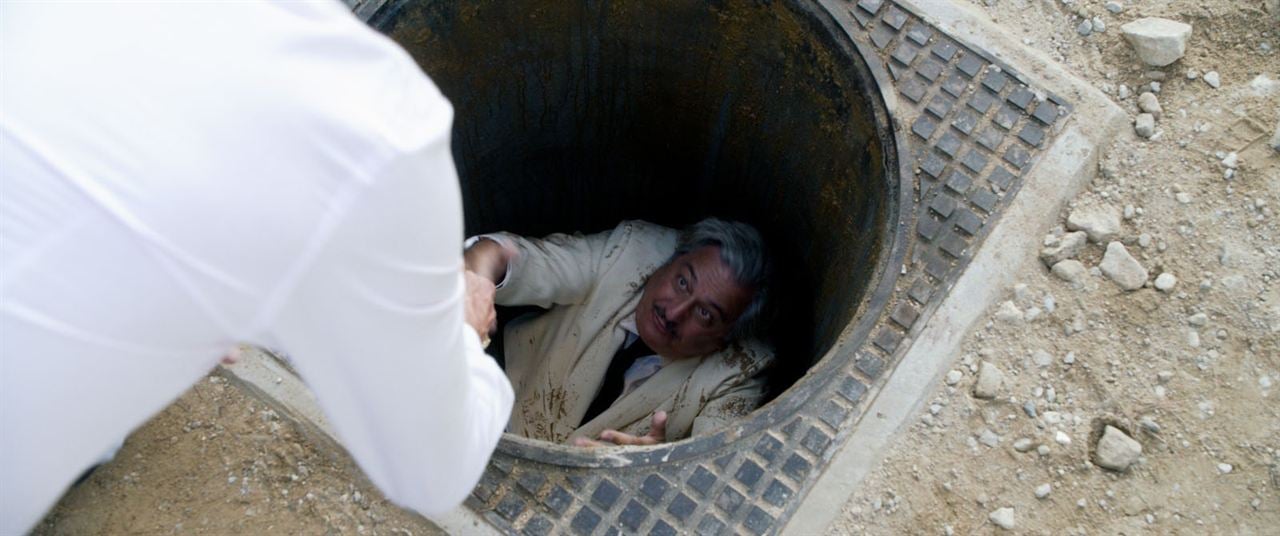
column 1213, row 466
column 216, row 462
column 219, row 462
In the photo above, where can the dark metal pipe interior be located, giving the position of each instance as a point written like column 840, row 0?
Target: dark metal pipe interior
column 574, row 115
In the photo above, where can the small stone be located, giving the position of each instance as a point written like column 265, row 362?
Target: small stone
column 1193, row 338
column 1158, row 42
column 1085, row 28
column 1231, row 161
column 1145, row 125
column 1070, row 359
column 1182, row 197
column 1099, row 25
column 1043, row 490
column 1148, row 103
column 1149, row 424
column 1164, row 376
column 1003, row 518
column 1122, row 268
column 1165, row 282
column 1115, row 7
column 1144, row 240
column 1225, row 468
column 1009, row 313
column 1116, row 450
column 1032, row 314
column 1099, row 223
column 1029, row 408
column 953, row 377
column 1192, row 74
column 1062, row 438
column 1042, row 450
column 1213, row 79
column 989, row 438
column 1022, row 444
column 1198, row 319
column 1068, row 247
column 1123, row 92
column 1042, row 358
column 1129, row 212
column 989, row 379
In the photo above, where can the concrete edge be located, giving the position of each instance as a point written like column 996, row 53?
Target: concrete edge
column 1063, row 171
column 263, row 376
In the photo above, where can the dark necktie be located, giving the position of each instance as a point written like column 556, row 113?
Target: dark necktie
column 615, row 378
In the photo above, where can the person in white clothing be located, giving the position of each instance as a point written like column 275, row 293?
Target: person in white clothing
column 177, row 178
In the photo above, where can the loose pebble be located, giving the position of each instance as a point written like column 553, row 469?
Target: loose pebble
column 1158, row 42
column 989, row 379
column 1122, row 268
column 1043, row 490
column 1165, row 282
column 1003, row 518
column 953, row 377
column 1213, row 79
column 1116, row 450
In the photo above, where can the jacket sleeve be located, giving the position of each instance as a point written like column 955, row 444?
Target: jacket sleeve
column 730, row 405
column 560, row 269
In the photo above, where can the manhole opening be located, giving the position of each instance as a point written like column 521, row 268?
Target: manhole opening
column 572, row 116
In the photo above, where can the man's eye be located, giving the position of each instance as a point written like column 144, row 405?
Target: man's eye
column 705, row 313
column 681, row 282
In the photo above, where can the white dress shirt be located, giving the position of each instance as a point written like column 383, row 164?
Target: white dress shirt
column 176, row 178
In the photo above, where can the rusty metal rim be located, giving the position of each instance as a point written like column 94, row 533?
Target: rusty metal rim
column 895, row 228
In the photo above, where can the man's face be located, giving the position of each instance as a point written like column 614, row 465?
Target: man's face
column 690, row 304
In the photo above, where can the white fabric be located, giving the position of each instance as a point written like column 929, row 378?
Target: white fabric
column 176, row 178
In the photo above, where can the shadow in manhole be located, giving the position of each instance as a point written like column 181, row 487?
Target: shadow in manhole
column 572, row 116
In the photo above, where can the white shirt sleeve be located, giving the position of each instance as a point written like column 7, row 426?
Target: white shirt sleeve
column 377, row 324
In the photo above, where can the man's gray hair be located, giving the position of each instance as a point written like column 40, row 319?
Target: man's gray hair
column 743, row 250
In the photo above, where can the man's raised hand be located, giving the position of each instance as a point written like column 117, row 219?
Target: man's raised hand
column 657, row 434
column 480, row 313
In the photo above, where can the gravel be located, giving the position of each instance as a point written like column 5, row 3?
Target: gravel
column 1043, row 490
column 1122, row 268
column 1070, row 270
column 1022, row 444
column 1147, row 102
column 1062, row 438
column 1145, row 125
column 1165, row 282
column 953, row 377
column 1068, row 246
column 1158, row 42
column 989, row 379
column 1003, row 518
column 1213, row 79
column 1116, row 450
column 1009, row 313
column 1099, row 223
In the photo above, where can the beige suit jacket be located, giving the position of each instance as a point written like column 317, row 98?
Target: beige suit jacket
column 557, row 360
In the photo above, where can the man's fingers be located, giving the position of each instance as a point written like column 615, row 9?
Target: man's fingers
column 588, row 443
column 658, row 427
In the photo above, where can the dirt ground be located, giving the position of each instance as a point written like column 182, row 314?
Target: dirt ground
column 1210, row 388
column 1199, row 394
column 218, row 462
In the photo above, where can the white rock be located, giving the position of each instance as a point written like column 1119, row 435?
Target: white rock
column 1085, row 28
column 1062, row 438
column 1225, row 468
column 1070, row 270
column 1158, row 42
column 1116, row 450
column 1003, row 518
column 1145, row 125
column 1070, row 359
column 1009, row 313
column 989, row 379
column 989, row 438
column 1123, row 92
column 1182, row 197
column 1213, row 79
column 1067, row 247
column 1166, row 281
column 1099, row 223
column 1042, row 358
column 1148, row 103
column 1231, row 161
column 1032, row 314
column 1198, row 319
column 1022, row 444
column 953, row 377
column 1042, row 450
column 1122, row 268
column 1099, row 25
column 1115, row 7
column 1043, row 490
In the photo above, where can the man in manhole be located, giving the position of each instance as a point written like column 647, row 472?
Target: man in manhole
column 648, row 333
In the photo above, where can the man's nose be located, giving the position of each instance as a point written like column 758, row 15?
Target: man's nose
column 678, row 310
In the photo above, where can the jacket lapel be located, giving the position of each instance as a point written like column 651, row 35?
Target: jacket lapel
column 642, row 401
